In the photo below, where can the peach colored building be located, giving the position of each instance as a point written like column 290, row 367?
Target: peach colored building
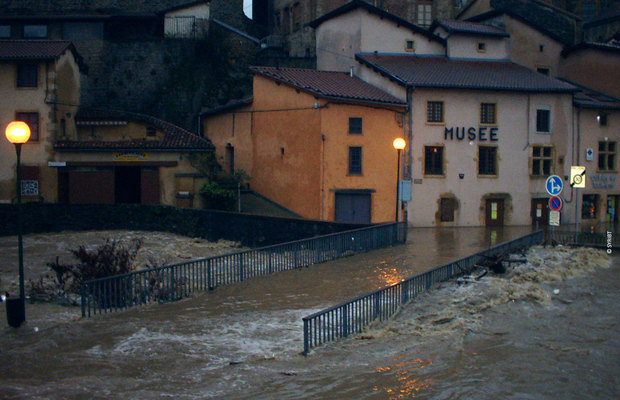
column 40, row 84
column 317, row 143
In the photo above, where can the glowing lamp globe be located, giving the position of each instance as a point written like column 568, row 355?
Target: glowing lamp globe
column 399, row 143
column 18, row 132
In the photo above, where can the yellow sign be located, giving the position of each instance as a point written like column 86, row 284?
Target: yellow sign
column 130, row 156
column 577, row 177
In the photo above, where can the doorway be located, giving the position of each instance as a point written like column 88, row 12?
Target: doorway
column 494, row 212
column 353, row 208
column 127, row 185
column 540, row 212
column 612, row 208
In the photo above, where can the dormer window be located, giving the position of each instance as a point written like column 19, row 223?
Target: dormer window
column 482, row 47
column 410, row 46
column 543, row 70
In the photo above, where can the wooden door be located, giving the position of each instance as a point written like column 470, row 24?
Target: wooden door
column 495, row 212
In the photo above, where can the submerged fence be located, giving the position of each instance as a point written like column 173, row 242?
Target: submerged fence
column 173, row 282
column 353, row 316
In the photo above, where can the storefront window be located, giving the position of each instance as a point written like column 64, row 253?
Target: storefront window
column 589, row 206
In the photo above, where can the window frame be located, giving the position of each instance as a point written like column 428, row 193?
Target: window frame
column 24, row 75
column 481, row 47
column 27, row 35
column 549, row 127
column 7, row 28
column 607, row 153
column 594, row 199
column 542, row 158
column 430, row 166
column 412, row 48
column 355, row 167
column 35, row 132
column 353, row 128
column 484, row 113
column 493, row 170
column 431, row 113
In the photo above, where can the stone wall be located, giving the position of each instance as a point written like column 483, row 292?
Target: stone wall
column 250, row 230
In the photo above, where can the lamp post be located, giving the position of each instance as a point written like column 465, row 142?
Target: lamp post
column 399, row 144
column 18, row 133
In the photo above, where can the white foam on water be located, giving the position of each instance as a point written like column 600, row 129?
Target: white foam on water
column 452, row 309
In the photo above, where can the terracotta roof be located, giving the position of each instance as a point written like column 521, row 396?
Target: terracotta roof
column 330, row 84
column 33, row 49
column 233, row 105
column 553, row 22
column 175, row 138
column 590, row 98
column 442, row 72
column 471, row 28
column 354, row 4
column 605, row 47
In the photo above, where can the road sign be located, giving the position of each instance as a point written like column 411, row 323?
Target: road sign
column 577, row 176
column 589, row 154
column 554, row 185
column 555, row 203
column 554, row 218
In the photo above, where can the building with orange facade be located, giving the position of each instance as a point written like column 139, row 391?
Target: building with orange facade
column 318, row 143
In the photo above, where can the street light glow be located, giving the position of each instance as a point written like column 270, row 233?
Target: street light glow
column 18, row 132
column 399, row 143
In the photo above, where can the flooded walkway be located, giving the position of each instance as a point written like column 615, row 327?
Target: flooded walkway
column 244, row 340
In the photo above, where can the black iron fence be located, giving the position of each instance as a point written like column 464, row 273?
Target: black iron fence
column 606, row 240
column 353, row 316
column 173, row 282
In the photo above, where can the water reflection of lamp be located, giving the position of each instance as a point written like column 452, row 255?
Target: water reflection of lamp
column 18, row 133
column 399, row 144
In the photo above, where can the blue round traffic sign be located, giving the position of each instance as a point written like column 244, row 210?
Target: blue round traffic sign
column 555, row 203
column 554, row 185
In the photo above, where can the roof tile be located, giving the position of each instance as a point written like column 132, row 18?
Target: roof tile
column 330, row 84
column 32, row 49
column 442, row 72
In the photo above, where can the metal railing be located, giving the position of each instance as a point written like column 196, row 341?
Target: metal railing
column 353, row 316
column 606, row 240
column 173, row 282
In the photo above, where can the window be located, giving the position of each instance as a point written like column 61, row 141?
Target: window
column 606, row 156
column 487, row 113
column 35, row 31
column 425, row 17
column 286, row 20
column 482, row 47
column 589, row 206
column 543, row 121
column 433, row 160
column 487, row 160
column 602, row 119
column 434, row 111
column 5, row 31
column 355, row 126
column 32, row 119
column 542, row 160
column 446, row 211
column 543, row 70
column 27, row 75
column 410, row 46
column 355, row 160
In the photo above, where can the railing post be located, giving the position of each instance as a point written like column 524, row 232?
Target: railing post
column 82, row 294
column 241, row 269
column 377, row 305
column 405, row 289
column 209, row 275
column 306, row 337
column 345, row 320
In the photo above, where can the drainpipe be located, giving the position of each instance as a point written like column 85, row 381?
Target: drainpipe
column 578, row 163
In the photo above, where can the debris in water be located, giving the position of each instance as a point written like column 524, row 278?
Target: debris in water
column 556, row 291
column 289, row 373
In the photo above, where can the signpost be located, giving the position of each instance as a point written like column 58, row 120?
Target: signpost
column 554, row 218
column 554, row 186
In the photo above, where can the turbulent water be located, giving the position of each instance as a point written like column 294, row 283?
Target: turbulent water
column 548, row 329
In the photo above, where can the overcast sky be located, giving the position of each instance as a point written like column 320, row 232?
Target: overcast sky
column 247, row 8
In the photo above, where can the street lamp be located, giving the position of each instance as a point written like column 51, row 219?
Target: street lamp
column 399, row 144
column 18, row 133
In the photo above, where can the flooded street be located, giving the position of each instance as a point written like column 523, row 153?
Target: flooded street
column 513, row 336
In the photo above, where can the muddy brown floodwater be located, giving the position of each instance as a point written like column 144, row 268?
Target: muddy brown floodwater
column 549, row 329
